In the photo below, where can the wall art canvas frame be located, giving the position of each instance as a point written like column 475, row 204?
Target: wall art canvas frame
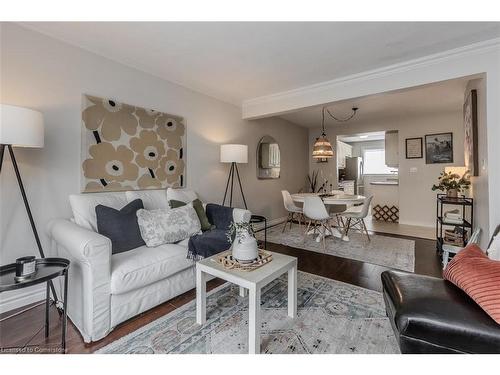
column 414, row 148
column 439, row 148
column 125, row 147
column 470, row 136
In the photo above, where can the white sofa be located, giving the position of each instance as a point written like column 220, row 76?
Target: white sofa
column 105, row 289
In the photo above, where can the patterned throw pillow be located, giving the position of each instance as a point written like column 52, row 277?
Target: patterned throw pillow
column 478, row 276
column 167, row 225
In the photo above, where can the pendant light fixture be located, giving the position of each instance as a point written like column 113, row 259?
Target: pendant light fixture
column 322, row 149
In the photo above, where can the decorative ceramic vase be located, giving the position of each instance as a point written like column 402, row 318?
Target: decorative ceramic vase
column 452, row 193
column 245, row 247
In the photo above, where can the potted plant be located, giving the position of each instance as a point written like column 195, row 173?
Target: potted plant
column 244, row 247
column 452, row 183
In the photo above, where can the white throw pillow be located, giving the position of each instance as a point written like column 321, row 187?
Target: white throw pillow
column 151, row 199
column 183, row 195
column 83, row 206
column 494, row 249
column 168, row 225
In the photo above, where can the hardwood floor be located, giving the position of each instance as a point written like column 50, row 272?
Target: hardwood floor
column 19, row 329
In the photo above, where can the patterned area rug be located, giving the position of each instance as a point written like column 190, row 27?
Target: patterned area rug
column 385, row 251
column 333, row 317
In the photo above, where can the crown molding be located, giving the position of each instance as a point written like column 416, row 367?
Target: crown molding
column 259, row 107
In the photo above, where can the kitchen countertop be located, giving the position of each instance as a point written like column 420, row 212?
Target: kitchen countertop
column 391, row 183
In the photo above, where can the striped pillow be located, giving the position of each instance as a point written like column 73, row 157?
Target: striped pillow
column 478, row 276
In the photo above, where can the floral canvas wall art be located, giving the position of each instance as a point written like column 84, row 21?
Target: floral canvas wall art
column 125, row 147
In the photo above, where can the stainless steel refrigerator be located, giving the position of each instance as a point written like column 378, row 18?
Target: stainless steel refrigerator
column 354, row 172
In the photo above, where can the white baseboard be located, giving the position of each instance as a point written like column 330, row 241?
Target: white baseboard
column 21, row 298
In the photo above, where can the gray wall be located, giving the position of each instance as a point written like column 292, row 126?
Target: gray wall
column 48, row 75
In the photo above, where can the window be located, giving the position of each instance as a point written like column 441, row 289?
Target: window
column 374, row 162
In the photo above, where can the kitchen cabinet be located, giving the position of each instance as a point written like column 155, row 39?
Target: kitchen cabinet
column 343, row 151
column 392, row 148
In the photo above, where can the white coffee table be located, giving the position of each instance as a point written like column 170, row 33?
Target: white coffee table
column 252, row 281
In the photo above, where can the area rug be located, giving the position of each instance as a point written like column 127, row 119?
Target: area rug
column 384, row 251
column 332, row 317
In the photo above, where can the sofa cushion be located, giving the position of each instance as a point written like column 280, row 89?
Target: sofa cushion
column 478, row 276
column 83, row 206
column 200, row 211
column 142, row 266
column 220, row 216
column 152, row 199
column 183, row 195
column 435, row 311
column 168, row 226
column 120, row 226
column 494, row 248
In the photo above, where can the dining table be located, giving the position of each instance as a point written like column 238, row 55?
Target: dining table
column 336, row 198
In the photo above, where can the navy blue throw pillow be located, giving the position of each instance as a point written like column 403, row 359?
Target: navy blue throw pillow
column 120, row 226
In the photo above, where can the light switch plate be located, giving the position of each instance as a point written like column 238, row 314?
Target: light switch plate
column 413, row 170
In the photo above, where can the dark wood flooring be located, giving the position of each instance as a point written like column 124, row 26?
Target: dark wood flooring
column 17, row 330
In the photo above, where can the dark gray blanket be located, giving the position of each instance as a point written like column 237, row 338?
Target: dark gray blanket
column 215, row 240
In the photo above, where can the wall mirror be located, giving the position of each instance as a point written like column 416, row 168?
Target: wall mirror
column 268, row 158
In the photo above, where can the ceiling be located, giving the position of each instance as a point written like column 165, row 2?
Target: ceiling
column 362, row 137
column 442, row 97
column 234, row 61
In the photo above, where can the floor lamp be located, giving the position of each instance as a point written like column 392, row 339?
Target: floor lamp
column 22, row 127
column 233, row 154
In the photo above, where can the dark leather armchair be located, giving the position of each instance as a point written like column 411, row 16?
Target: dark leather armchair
column 431, row 315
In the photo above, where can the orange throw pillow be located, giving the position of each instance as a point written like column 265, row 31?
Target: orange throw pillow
column 478, row 276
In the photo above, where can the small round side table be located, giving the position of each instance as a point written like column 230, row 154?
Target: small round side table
column 47, row 269
column 254, row 219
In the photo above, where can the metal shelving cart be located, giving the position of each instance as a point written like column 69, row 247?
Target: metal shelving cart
column 466, row 223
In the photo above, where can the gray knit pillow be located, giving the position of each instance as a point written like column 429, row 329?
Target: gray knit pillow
column 167, row 225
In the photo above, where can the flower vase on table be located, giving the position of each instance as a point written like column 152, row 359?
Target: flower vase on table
column 244, row 248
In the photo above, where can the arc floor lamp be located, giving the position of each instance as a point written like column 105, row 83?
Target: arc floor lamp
column 234, row 154
column 22, row 127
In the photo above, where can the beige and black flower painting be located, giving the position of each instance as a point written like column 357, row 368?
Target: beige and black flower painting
column 110, row 117
column 94, row 186
column 110, row 163
column 147, row 117
column 170, row 129
column 149, row 149
column 171, row 167
column 126, row 147
column 148, row 182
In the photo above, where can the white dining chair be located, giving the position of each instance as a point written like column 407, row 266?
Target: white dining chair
column 354, row 217
column 315, row 211
column 292, row 208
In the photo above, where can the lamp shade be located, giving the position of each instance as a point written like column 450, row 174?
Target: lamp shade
column 322, row 148
column 232, row 153
column 20, row 127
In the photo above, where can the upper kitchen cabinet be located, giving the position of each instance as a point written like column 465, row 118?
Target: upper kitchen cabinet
column 343, row 151
column 392, row 148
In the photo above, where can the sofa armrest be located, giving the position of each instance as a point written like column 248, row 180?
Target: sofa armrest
column 81, row 243
column 241, row 216
column 89, row 296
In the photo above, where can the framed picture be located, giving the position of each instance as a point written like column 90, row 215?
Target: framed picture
column 439, row 148
column 414, row 148
column 470, row 137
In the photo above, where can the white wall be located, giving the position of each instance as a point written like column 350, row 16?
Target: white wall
column 50, row 76
column 417, row 202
